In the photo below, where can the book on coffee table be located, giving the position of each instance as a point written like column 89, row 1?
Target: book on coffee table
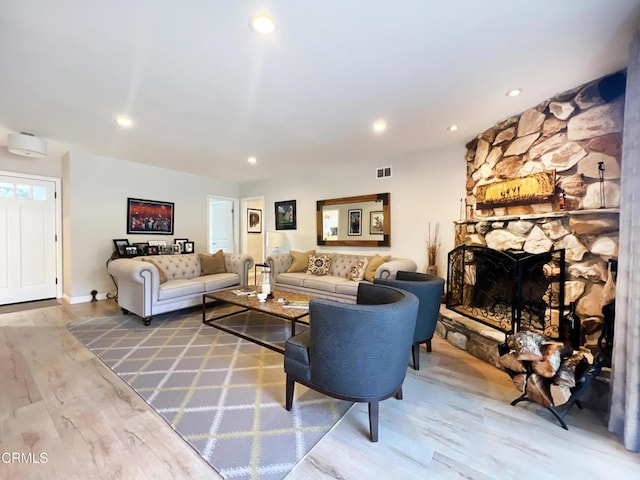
column 295, row 304
column 244, row 292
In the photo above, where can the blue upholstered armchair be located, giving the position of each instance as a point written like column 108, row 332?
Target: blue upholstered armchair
column 429, row 290
column 355, row 352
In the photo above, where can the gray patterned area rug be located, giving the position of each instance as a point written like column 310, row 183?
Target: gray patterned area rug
column 223, row 395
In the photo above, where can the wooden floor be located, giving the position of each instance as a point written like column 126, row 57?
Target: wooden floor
column 66, row 416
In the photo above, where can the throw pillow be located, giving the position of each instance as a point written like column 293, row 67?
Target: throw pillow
column 212, row 264
column 357, row 271
column 374, row 263
column 300, row 261
column 319, row 264
column 163, row 276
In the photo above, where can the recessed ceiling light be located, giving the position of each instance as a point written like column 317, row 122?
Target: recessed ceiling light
column 452, row 128
column 124, row 121
column 379, row 126
column 252, row 160
column 262, row 24
column 514, row 93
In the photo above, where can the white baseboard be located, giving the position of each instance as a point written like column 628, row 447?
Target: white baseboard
column 83, row 299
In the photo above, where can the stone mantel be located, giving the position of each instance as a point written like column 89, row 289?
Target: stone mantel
column 539, row 216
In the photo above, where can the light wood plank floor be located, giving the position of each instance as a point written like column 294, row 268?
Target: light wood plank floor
column 455, row 421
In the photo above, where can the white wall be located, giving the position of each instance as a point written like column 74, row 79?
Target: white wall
column 425, row 187
column 46, row 167
column 95, row 191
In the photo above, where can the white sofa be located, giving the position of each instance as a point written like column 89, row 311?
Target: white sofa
column 336, row 285
column 140, row 291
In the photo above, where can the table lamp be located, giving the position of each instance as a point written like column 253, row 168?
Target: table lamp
column 276, row 240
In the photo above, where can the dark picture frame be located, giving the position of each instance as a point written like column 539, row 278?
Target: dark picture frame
column 181, row 242
column 143, row 248
column 131, row 250
column 120, row 244
column 286, row 215
column 188, row 247
column 254, row 220
column 149, row 216
column 376, row 223
column 153, row 250
column 355, row 222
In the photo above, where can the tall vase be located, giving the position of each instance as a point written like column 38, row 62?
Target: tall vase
column 265, row 283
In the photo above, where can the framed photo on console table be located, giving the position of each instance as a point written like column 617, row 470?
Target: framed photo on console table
column 188, row 247
column 121, row 244
column 143, row 248
column 286, row 215
column 149, row 216
column 180, row 241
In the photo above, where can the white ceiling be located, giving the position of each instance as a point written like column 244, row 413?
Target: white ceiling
column 206, row 92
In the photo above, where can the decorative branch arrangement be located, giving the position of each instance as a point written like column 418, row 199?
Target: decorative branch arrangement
column 432, row 247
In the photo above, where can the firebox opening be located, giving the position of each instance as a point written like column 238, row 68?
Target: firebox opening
column 507, row 290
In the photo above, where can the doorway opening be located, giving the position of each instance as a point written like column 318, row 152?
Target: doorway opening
column 30, row 246
column 222, row 219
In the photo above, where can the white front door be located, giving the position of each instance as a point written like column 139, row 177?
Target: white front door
column 27, row 239
column 221, row 233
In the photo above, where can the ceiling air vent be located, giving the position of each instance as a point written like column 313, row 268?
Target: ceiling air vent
column 383, row 172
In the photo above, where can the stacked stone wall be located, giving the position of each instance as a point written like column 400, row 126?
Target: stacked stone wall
column 575, row 133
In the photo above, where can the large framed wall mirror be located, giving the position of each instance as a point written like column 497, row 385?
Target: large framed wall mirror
column 360, row 221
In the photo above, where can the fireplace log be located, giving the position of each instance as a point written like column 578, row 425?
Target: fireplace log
column 520, row 381
column 552, row 355
column 570, row 369
column 511, row 363
column 539, row 390
column 526, row 345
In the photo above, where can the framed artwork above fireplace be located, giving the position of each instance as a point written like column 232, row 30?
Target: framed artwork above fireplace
column 535, row 188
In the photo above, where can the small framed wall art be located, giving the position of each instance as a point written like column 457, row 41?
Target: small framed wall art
column 254, row 220
column 355, row 222
column 376, row 223
column 286, row 215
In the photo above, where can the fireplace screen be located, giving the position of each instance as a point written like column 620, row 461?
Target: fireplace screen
column 508, row 291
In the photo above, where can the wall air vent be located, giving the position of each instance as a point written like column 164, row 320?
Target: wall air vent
column 383, row 172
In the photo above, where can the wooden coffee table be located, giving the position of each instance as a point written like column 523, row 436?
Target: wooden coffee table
column 271, row 308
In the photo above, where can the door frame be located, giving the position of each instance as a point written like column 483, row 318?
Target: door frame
column 57, row 222
column 235, row 215
column 244, row 204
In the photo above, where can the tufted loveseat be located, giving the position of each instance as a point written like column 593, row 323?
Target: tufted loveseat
column 336, row 285
column 141, row 292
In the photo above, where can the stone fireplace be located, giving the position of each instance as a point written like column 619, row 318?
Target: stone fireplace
column 576, row 139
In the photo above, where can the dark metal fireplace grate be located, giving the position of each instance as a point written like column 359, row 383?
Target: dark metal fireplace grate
column 508, row 291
